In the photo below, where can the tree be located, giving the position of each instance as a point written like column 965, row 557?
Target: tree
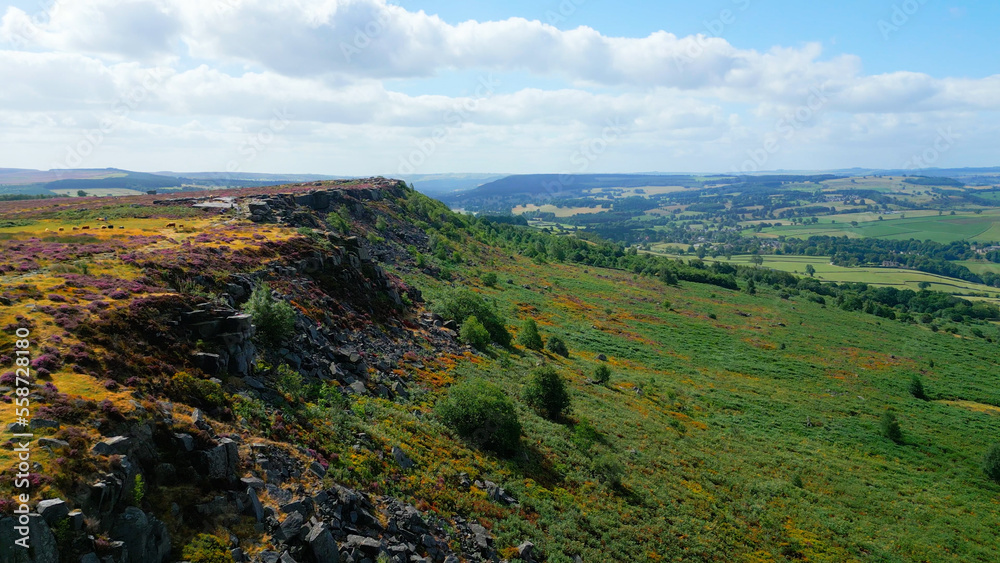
column 924, row 285
column 482, row 413
column 917, row 388
column 602, row 374
column 557, row 346
column 546, row 392
column 274, row 320
column 991, row 463
column 460, row 304
column 529, row 337
column 810, row 270
column 81, row 193
column 756, row 259
column 668, row 276
column 891, row 428
column 475, row 334
column 751, row 287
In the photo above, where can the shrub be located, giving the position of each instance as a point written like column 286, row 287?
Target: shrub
column 608, row 470
column 546, row 392
column 529, row 337
column 481, row 413
column 891, row 428
column 991, row 463
column 917, row 388
column 207, row 549
column 602, row 374
column 557, row 346
column 460, row 304
column 198, row 392
column 138, row 490
column 489, row 279
column 475, row 334
column 275, row 320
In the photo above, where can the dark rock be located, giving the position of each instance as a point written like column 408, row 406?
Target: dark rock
column 291, row 527
column 369, row 546
column 37, row 423
column 401, row 458
column 43, row 542
column 52, row 443
column 526, row 550
column 145, row 538
column 602, row 358
column 52, row 510
column 322, row 545
column 186, row 441
column 118, row 445
column 222, row 461
column 256, row 508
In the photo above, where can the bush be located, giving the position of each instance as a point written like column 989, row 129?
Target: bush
column 602, row 374
column 275, row 320
column 198, row 392
column 608, row 470
column 529, row 337
column 489, row 279
column 891, row 428
column 546, row 392
column 917, row 388
column 481, row 413
column 991, row 463
column 475, row 334
column 207, row 549
column 460, row 304
column 557, row 346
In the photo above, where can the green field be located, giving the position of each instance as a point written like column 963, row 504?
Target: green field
column 889, row 277
column 983, row 227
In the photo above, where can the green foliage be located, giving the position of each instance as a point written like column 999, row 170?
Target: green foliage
column 608, row 470
column 916, row 388
column 253, row 412
column 274, row 320
column 991, row 463
column 602, row 374
column 529, row 337
column 288, row 381
column 198, row 392
column 546, row 392
column 483, row 414
column 475, row 334
column 585, row 435
column 138, row 490
column 460, row 304
column 890, row 427
column 205, row 548
column 489, row 279
column 556, row 345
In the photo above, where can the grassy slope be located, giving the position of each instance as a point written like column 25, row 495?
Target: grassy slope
column 728, row 420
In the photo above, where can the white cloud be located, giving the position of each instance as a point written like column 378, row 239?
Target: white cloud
column 203, row 75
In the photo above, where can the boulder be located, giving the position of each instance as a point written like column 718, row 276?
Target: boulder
column 144, row 537
column 222, row 461
column 401, row 458
column 118, row 445
column 291, row 527
column 52, row 510
column 256, row 508
column 322, row 545
column 42, row 548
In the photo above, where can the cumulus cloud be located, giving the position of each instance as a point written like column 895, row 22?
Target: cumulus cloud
column 203, row 72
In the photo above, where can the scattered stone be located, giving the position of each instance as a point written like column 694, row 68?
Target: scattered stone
column 401, row 458
column 118, row 445
column 52, row 510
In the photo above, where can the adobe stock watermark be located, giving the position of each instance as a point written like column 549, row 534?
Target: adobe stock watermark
column 901, row 14
column 784, row 129
column 715, row 27
column 589, row 152
column 364, row 37
column 257, row 143
column 564, row 11
column 25, row 31
column 453, row 119
column 92, row 139
column 943, row 143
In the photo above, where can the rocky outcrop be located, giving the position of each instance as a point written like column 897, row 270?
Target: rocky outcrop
column 228, row 333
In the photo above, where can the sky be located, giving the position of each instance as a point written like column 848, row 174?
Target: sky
column 366, row 87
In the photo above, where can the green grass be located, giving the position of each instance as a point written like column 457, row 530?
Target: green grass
column 984, row 227
column 734, row 412
column 827, row 272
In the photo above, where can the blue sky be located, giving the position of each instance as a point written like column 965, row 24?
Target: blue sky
column 370, row 86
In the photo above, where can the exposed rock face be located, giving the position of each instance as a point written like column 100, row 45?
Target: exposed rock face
column 42, row 547
column 229, row 332
column 144, row 536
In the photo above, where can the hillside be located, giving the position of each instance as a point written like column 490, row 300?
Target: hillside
column 290, row 373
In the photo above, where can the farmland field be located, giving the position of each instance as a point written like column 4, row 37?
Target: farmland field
column 984, row 227
column 827, row 272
